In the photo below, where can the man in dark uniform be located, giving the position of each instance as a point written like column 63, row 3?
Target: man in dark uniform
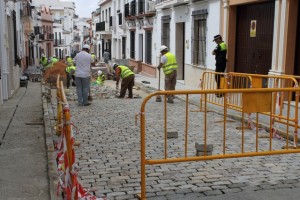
column 220, row 53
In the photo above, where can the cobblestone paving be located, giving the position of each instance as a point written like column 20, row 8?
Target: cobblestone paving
column 109, row 154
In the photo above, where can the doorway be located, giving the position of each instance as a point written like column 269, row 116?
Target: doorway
column 254, row 38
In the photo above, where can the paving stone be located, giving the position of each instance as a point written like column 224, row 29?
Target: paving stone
column 172, row 134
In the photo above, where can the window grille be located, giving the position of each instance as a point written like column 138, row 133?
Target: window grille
column 199, row 31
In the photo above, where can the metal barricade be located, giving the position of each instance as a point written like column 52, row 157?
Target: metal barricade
column 233, row 80
column 250, row 103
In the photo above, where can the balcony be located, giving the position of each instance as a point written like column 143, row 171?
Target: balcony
column 139, row 10
column 59, row 42
column 160, row 4
column 25, row 11
column 41, row 37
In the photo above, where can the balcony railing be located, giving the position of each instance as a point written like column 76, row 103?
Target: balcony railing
column 139, row 9
column 59, row 42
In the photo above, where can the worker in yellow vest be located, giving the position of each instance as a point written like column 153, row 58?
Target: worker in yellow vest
column 170, row 67
column 54, row 60
column 127, row 80
column 44, row 62
column 70, row 71
column 69, row 61
column 94, row 56
column 100, row 78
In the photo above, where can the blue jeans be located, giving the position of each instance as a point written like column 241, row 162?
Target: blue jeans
column 83, row 88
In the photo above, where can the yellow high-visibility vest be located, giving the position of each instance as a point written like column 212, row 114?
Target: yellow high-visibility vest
column 171, row 64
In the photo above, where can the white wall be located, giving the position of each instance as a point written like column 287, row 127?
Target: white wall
column 184, row 14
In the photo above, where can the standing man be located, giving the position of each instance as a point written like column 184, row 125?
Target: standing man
column 127, row 80
column 106, row 56
column 220, row 53
column 83, row 61
column 170, row 67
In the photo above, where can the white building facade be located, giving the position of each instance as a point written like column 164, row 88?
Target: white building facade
column 12, row 47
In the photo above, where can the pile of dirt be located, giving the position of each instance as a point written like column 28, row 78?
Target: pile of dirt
column 50, row 75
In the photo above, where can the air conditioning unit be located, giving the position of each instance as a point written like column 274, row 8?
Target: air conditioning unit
column 150, row 6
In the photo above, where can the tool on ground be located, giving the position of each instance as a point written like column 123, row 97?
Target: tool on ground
column 158, row 97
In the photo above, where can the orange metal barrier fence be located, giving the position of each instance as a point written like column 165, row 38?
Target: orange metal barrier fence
column 250, row 103
column 235, row 80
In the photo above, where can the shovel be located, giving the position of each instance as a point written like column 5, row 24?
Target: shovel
column 158, row 97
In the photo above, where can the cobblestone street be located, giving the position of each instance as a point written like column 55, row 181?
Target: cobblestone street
column 109, row 154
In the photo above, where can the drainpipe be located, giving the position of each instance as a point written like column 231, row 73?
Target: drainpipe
column 225, row 19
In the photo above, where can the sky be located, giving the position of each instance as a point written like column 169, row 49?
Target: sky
column 84, row 8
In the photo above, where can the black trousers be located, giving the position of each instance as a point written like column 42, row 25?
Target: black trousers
column 69, row 78
column 220, row 67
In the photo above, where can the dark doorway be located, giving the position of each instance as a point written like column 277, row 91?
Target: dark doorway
column 297, row 53
column 254, row 50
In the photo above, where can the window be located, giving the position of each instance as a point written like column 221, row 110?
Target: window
column 199, row 37
column 165, row 32
column 148, row 46
column 123, row 47
column 132, row 44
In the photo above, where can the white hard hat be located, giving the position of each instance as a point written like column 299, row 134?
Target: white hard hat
column 163, row 47
column 115, row 65
column 99, row 72
column 54, row 56
column 86, row 46
column 43, row 55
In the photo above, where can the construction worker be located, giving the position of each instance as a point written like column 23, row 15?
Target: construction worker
column 70, row 70
column 44, row 62
column 127, row 80
column 69, row 61
column 94, row 56
column 220, row 53
column 169, row 65
column 54, row 59
column 106, row 57
column 100, row 78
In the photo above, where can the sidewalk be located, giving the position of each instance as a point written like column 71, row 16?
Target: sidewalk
column 23, row 155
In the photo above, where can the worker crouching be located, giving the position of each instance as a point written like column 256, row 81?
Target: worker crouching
column 70, row 70
column 127, row 80
column 100, row 78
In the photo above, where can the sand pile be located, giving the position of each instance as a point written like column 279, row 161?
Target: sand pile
column 51, row 73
